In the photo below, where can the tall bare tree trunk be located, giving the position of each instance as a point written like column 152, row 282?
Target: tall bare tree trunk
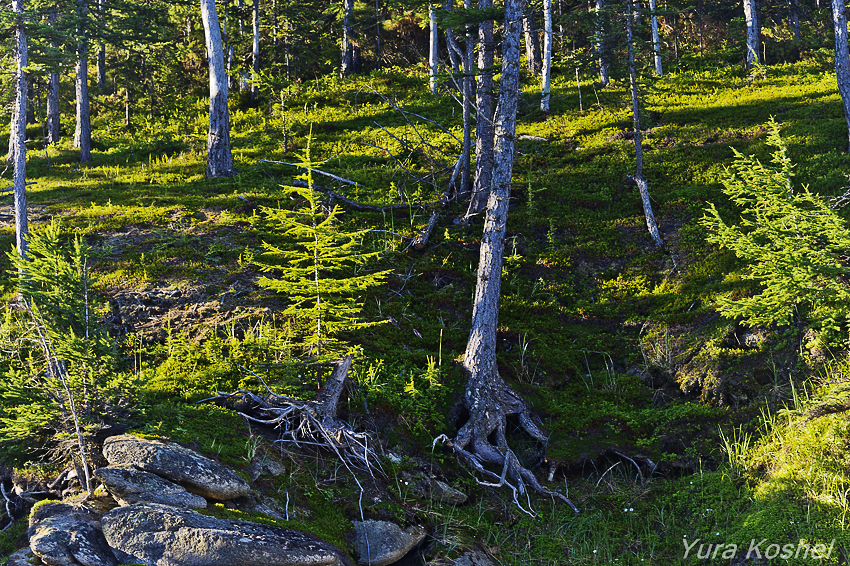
column 547, row 56
column 82, row 130
column 433, row 48
column 656, row 40
column 52, row 90
column 639, row 178
column 18, row 134
column 101, row 54
column 532, row 45
column 347, row 50
column 455, row 54
column 751, row 14
column 484, row 125
column 842, row 57
column 219, row 158
column 468, row 94
column 481, row 440
column 255, row 51
column 601, row 43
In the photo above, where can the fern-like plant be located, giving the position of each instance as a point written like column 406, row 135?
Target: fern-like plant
column 794, row 245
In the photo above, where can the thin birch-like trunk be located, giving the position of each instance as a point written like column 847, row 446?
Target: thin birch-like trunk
column 451, row 44
column 52, row 118
column 842, row 58
column 601, row 43
column 639, row 178
column 347, row 66
column 751, row 15
column 18, row 134
column 82, row 130
column 219, row 157
column 255, row 50
column 101, row 55
column 532, row 45
column 434, row 48
column 547, row 56
column 656, row 40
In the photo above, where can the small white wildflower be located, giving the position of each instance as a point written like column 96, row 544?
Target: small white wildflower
column 631, row 508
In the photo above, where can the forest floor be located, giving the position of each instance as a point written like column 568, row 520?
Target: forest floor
column 667, row 422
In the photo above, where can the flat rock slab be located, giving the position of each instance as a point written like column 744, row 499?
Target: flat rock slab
column 158, row 535
column 380, row 543
column 196, row 473
column 129, row 486
column 64, row 535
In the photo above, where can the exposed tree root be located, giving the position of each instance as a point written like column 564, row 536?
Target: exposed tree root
column 481, row 440
column 314, row 423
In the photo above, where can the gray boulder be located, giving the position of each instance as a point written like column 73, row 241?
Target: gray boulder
column 439, row 491
column 379, row 543
column 153, row 534
column 129, row 486
column 23, row 557
column 196, row 473
column 474, row 558
column 64, row 535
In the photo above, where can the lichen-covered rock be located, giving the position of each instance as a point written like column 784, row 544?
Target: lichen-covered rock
column 379, row 543
column 439, row 491
column 473, row 558
column 149, row 533
column 64, row 535
column 23, row 557
column 128, row 486
column 196, row 473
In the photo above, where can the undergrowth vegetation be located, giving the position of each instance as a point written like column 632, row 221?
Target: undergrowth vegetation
column 618, row 346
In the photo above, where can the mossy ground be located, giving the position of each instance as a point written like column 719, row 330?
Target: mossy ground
column 615, row 344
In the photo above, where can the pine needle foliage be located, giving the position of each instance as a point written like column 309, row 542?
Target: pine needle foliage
column 794, row 245
column 60, row 365
column 323, row 271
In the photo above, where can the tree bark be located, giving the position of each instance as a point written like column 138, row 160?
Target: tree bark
column 52, row 118
column 639, row 178
column 82, row 130
column 468, row 84
column 601, row 43
column 434, row 48
column 219, row 158
column 794, row 18
column 547, row 56
column 842, row 58
column 255, row 51
column 18, row 133
column 751, row 14
column 484, row 125
column 101, row 55
column 481, row 440
column 532, row 45
column 451, row 44
column 347, row 51
column 656, row 40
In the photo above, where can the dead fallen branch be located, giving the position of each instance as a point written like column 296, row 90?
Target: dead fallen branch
column 313, row 423
column 422, row 239
column 314, row 170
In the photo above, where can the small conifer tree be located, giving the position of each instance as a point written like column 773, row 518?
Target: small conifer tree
column 794, row 244
column 56, row 379
column 316, row 270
